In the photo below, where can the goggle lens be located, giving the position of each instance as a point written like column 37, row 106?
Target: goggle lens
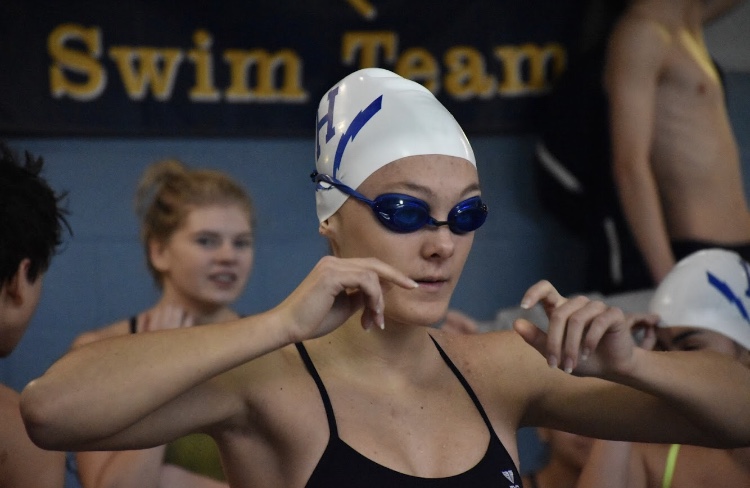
column 404, row 213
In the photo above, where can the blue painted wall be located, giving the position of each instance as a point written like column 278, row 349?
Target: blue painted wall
column 99, row 276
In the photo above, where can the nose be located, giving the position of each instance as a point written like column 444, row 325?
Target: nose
column 226, row 252
column 439, row 242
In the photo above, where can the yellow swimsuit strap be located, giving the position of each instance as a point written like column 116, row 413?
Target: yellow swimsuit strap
column 674, row 449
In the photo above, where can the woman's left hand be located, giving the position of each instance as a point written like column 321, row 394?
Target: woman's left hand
column 584, row 336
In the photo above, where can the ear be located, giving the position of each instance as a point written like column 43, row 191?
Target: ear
column 325, row 228
column 157, row 255
column 329, row 229
column 14, row 290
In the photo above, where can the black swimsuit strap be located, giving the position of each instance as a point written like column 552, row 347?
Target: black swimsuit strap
column 133, row 324
column 327, row 401
column 465, row 384
column 323, row 393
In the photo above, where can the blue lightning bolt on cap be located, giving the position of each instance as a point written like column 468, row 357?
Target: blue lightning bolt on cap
column 709, row 289
column 373, row 117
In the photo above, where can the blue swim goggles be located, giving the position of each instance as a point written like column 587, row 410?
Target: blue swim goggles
column 404, row 213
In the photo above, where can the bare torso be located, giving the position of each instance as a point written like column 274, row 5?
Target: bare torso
column 694, row 153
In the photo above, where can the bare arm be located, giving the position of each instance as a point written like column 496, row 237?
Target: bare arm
column 633, row 65
column 21, row 462
column 144, row 390
column 695, row 397
column 131, row 468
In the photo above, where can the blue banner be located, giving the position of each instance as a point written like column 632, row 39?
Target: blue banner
column 258, row 68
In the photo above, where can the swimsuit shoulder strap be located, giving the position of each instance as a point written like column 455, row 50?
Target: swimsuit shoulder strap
column 465, row 384
column 321, row 388
column 133, row 324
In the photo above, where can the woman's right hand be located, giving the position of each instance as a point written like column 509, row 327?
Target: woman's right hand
column 334, row 290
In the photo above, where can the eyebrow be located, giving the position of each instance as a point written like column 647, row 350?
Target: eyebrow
column 212, row 232
column 429, row 191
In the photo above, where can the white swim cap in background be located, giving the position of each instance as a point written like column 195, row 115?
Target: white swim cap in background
column 371, row 118
column 709, row 289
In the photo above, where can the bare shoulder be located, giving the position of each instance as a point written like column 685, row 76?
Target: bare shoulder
column 500, row 362
column 489, row 349
column 270, row 384
column 119, row 328
column 639, row 33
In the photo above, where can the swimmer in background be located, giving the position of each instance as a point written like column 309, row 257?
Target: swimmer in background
column 676, row 162
column 197, row 233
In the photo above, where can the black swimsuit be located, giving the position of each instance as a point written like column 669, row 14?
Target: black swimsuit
column 342, row 466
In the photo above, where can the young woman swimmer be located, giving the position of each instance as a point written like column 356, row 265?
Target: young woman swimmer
column 301, row 395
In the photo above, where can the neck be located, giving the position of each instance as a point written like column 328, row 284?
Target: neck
column 396, row 347
column 202, row 313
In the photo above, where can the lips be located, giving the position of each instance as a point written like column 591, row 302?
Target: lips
column 224, row 278
column 431, row 282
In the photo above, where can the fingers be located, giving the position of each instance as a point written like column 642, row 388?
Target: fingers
column 649, row 340
column 336, row 289
column 608, row 320
column 567, row 334
column 544, row 293
column 644, row 330
column 371, row 285
column 532, row 334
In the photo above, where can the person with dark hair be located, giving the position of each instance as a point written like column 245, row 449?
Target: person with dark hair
column 197, row 234
column 346, row 382
column 31, row 226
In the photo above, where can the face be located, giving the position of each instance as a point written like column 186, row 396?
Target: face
column 207, row 262
column 18, row 301
column 696, row 339
column 570, row 449
column 432, row 256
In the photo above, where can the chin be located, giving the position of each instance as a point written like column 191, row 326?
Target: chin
column 424, row 315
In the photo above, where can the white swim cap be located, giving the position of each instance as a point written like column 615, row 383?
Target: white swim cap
column 709, row 289
column 371, row 118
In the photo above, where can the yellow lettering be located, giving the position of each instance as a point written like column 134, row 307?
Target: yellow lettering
column 467, row 74
column 529, row 68
column 143, row 67
column 284, row 65
column 81, row 64
column 204, row 89
column 419, row 65
column 369, row 45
